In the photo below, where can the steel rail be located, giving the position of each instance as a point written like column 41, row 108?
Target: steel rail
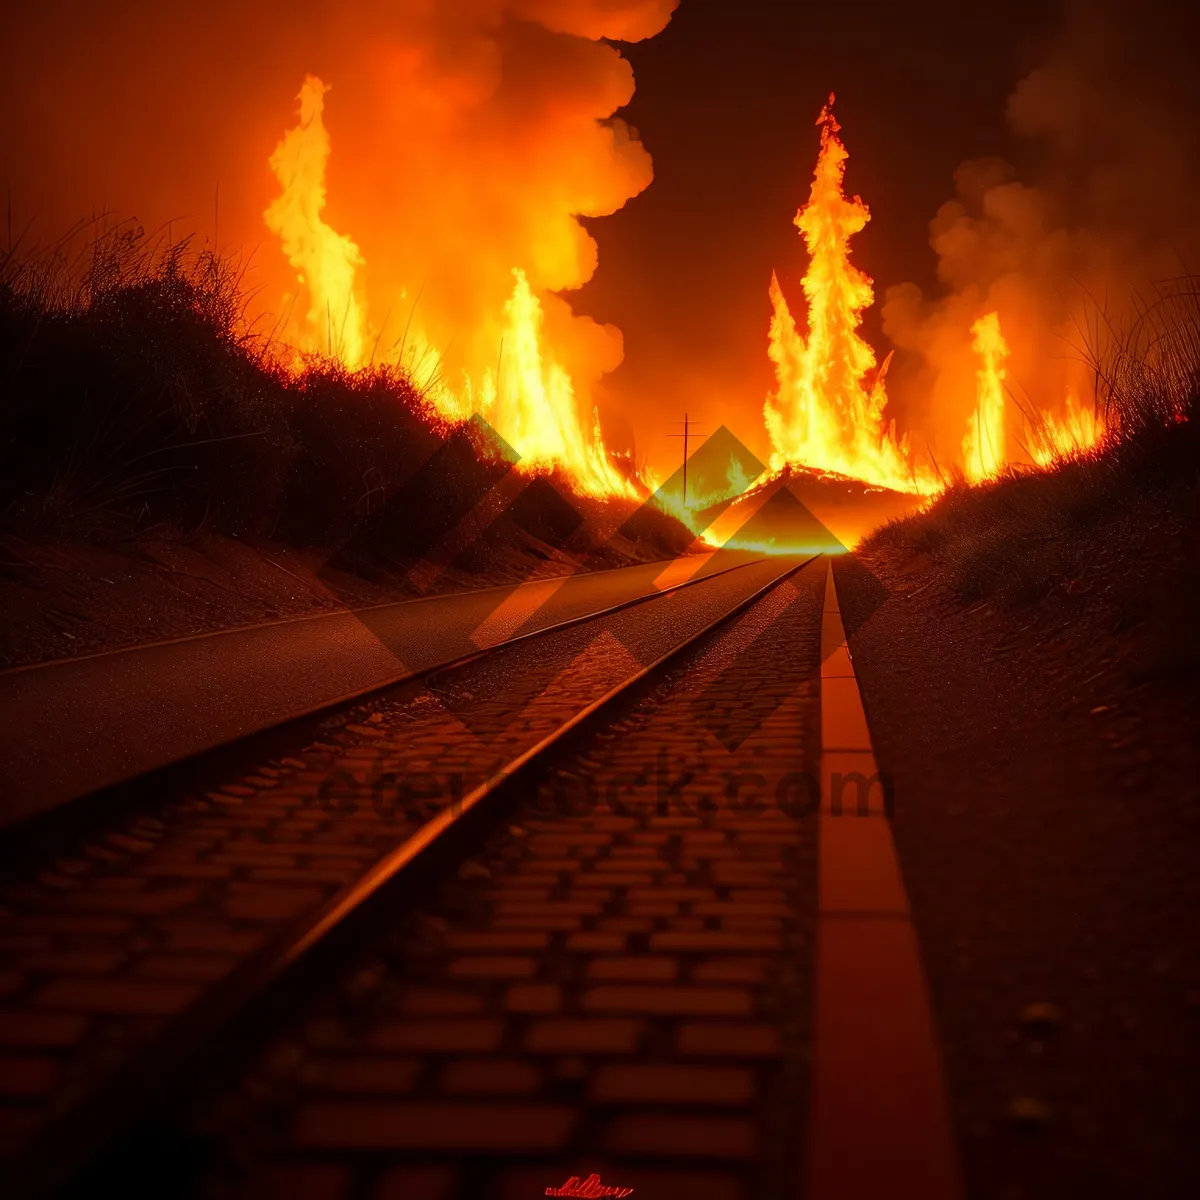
column 41, row 824
column 63, row 1149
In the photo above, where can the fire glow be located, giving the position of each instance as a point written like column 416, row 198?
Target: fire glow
column 983, row 446
column 325, row 261
column 827, row 410
column 826, row 413
column 529, row 398
column 1078, row 429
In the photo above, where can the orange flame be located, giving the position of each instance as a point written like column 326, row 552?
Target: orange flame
column 529, row 399
column 1079, row 429
column 325, row 261
column 983, row 446
column 533, row 402
column 827, row 410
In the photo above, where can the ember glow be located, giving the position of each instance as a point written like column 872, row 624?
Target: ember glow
column 827, row 410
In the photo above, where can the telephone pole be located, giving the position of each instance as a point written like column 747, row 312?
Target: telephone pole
column 688, row 432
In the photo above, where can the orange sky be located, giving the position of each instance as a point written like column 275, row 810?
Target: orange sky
column 464, row 136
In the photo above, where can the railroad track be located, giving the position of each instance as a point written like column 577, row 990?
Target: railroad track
column 190, row 920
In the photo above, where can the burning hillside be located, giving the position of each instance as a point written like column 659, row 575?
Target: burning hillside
column 449, row 259
column 404, row 182
column 827, row 412
column 527, row 395
column 424, row 210
column 826, row 417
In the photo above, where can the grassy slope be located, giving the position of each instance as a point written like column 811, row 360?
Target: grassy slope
column 1030, row 672
column 147, row 437
column 1028, row 533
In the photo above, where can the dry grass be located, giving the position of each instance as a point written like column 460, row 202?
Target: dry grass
column 1029, row 531
column 135, row 397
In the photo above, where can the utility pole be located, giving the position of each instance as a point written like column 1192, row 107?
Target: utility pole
column 685, row 441
column 688, row 432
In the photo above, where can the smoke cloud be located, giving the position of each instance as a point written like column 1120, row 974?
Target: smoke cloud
column 464, row 139
column 1103, row 208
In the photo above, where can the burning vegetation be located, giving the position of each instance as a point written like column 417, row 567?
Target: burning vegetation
column 528, row 396
column 827, row 412
column 1122, row 490
column 142, row 409
column 325, row 261
column 437, row 281
column 983, row 446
